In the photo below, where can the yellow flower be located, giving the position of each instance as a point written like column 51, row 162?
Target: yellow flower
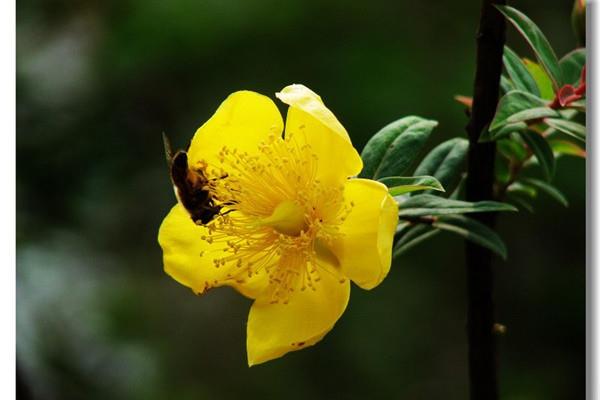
column 293, row 228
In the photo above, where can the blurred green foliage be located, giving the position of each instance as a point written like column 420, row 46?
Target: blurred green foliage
column 98, row 81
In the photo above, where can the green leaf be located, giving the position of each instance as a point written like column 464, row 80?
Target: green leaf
column 512, row 103
column 444, row 162
column 542, row 151
column 402, row 228
column 570, row 128
column 413, row 236
column 506, row 130
column 512, row 149
column 578, row 105
column 566, row 114
column 391, row 151
column 538, row 42
column 525, row 190
column 501, row 170
column 459, row 191
column 520, row 201
column 426, row 204
column 506, row 84
column 519, row 73
column 473, row 231
column 541, row 78
column 550, row 190
column 572, row 64
column 565, row 147
column 404, row 184
column 532, row 114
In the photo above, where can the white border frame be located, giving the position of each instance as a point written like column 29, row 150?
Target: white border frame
column 592, row 220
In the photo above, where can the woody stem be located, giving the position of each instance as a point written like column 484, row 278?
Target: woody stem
column 479, row 186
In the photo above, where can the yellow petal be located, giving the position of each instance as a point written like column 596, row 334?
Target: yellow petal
column 242, row 121
column 276, row 329
column 189, row 260
column 365, row 248
column 310, row 121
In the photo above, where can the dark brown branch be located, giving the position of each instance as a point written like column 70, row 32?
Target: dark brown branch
column 479, row 186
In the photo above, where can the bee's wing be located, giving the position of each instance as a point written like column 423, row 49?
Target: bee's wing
column 168, row 150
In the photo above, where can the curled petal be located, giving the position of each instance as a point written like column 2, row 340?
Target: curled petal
column 275, row 329
column 190, row 260
column 365, row 248
column 310, row 121
column 243, row 120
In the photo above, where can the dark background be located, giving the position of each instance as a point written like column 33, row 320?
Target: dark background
column 97, row 318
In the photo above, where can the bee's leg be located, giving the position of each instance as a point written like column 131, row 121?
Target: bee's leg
column 220, row 177
column 224, row 212
column 225, row 175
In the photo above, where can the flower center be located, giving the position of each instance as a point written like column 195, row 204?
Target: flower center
column 287, row 218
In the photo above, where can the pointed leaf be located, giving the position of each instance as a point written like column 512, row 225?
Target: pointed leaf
column 391, row 151
column 501, row 170
column 414, row 235
column 506, row 84
column 532, row 114
column 538, row 42
column 512, row 103
column 519, row 73
column 520, row 201
column 403, row 227
column 525, row 190
column 445, row 161
column 566, row 114
column 503, row 132
column 570, row 128
column 459, row 191
column 572, row 64
column 426, row 204
column 464, row 100
column 512, row 149
column 578, row 105
column 404, row 184
column 550, row 190
column 541, row 78
column 542, row 151
column 565, row 147
column 472, row 230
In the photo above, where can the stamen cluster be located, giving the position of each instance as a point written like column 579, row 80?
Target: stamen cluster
column 248, row 234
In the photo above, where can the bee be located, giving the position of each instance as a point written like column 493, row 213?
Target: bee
column 191, row 186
